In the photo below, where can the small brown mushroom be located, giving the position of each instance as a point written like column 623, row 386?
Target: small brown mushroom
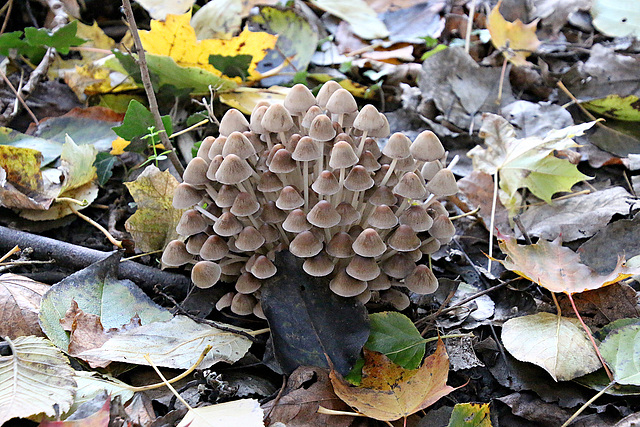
column 346, row 286
column 233, row 121
column 205, row 274
column 421, row 280
column 175, row 254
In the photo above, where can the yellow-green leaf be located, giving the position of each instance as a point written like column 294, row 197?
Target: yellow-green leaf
column 616, row 107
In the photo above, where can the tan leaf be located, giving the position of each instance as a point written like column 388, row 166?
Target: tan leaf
column 389, row 392
column 19, row 305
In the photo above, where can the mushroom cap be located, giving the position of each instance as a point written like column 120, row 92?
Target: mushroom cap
column 269, row 182
column 382, row 172
column 191, row 222
column 247, row 283
column 326, row 184
column 226, row 196
column 348, row 214
column 296, row 222
column 340, row 245
column 398, row 266
column 417, row 218
column 358, row 179
column 380, row 283
column 342, row 155
column 292, row 142
column 249, row 239
column 405, row 165
column 368, row 119
column 311, row 114
column 306, row 150
column 233, row 121
column 258, row 311
column 443, row 183
column 214, row 249
column 326, row 91
column 255, row 123
column 362, row 268
column 299, row 99
column 383, row 218
column 371, row 145
column 430, row 169
column 421, row 280
column 346, row 286
column 427, row 147
column 321, row 128
column 225, row 301
column 195, row 242
column 263, row 268
column 442, row 228
column 175, row 254
column 383, row 131
column 430, row 246
column 368, row 161
column 398, row 146
column 233, row 170
column 276, row 119
column 244, row 205
column 323, row 215
column 383, row 196
column 205, row 146
column 289, row 199
column 217, row 146
column 269, row 232
column 196, row 172
column 271, row 214
column 397, row 299
column 341, row 102
column 404, row 239
column 186, row 195
column 318, row 266
column 239, row 145
column 410, row 186
column 369, row 244
column 305, row 245
column 243, row 304
column 216, row 161
column 227, row 225
column 282, row 162
column 205, row 274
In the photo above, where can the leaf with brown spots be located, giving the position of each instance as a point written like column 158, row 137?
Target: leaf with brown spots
column 389, row 392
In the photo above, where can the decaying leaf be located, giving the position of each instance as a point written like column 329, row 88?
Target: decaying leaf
column 527, row 162
column 621, row 351
column 389, row 392
column 85, row 416
column 176, row 38
column 246, row 98
column 239, row 413
column 470, row 415
column 34, row 378
column 91, row 384
column 364, row 21
column 19, row 305
column 516, row 39
column 557, row 268
column 153, row 225
column 174, row 344
column 557, row 344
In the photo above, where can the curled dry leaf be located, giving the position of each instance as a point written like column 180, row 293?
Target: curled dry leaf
column 19, row 305
column 557, row 268
column 389, row 392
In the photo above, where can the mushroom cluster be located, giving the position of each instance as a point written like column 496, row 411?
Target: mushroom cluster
column 308, row 176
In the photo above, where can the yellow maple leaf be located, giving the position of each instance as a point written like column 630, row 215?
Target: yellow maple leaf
column 176, row 38
column 516, row 39
column 118, row 145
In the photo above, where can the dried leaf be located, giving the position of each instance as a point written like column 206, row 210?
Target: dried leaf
column 99, row 418
column 516, row 39
column 557, row 344
column 556, row 268
column 389, row 392
column 364, row 21
column 19, row 305
column 470, row 415
column 176, row 38
column 239, row 413
column 153, row 225
column 34, row 378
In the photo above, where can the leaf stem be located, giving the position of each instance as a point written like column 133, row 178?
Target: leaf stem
column 104, row 231
column 587, row 403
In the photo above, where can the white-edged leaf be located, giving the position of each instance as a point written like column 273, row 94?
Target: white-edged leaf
column 91, row 384
column 176, row 343
column 557, row 344
column 239, row 413
column 34, row 378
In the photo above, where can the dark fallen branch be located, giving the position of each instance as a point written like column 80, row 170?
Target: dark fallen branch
column 78, row 257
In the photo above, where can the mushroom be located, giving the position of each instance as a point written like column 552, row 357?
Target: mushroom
column 176, row 254
column 233, row 121
column 205, row 274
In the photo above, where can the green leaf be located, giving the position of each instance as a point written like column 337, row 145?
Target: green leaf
column 621, row 350
column 232, row 66
column 61, row 40
column 470, row 415
column 11, row 40
column 137, row 121
column 104, row 167
column 394, row 335
column 194, row 78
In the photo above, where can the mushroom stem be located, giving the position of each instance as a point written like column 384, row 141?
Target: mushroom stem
column 319, row 161
column 386, row 177
column 387, row 255
column 283, row 234
column 305, row 184
column 248, row 189
column 269, row 142
column 361, row 145
column 206, row 213
column 283, row 138
column 337, row 198
column 340, row 119
column 211, row 191
column 403, row 206
column 453, row 162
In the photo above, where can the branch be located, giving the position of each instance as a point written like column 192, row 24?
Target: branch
column 148, row 88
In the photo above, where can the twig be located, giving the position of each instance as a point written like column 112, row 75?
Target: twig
column 520, row 225
column 78, row 257
column 6, row 8
column 589, row 402
column 12, row 251
column 24, row 104
column 104, row 231
column 467, row 36
column 148, row 88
